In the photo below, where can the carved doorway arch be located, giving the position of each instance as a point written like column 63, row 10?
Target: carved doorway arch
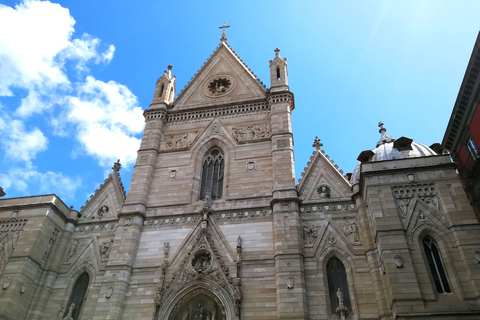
column 214, row 300
column 199, row 304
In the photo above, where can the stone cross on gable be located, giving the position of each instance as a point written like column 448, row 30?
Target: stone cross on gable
column 276, row 51
column 223, row 38
column 317, row 144
column 116, row 166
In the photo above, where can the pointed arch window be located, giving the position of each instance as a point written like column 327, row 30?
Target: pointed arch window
column 212, row 174
column 337, row 279
column 437, row 270
column 77, row 296
column 161, row 90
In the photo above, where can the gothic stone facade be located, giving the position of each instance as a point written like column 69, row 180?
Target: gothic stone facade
column 215, row 227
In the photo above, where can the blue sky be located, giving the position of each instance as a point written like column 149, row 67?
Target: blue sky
column 75, row 76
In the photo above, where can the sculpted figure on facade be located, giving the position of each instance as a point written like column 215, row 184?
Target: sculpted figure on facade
column 105, row 249
column 75, row 248
column 310, row 234
column 350, row 229
column 70, row 312
column 50, row 244
column 324, row 190
column 201, row 261
column 178, row 141
column 260, row 131
column 199, row 312
column 102, row 211
column 186, row 314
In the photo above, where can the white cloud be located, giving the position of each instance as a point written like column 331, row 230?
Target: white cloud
column 20, row 144
column 31, row 36
column 107, row 56
column 106, row 116
column 38, row 52
column 31, row 181
column 35, row 43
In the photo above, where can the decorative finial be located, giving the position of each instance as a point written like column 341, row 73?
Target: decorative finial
column 317, row 144
column 169, row 67
column 384, row 138
column 2, row 193
column 223, row 38
column 380, row 125
column 276, row 51
column 116, row 166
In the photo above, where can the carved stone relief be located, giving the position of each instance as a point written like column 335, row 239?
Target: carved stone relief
column 350, row 229
column 50, row 244
column 250, row 165
column 404, row 195
column 202, row 260
column 254, row 132
column 331, row 240
column 200, row 304
column 324, row 190
column 75, row 248
column 144, row 158
column 96, row 227
column 105, row 248
column 178, row 141
column 310, row 234
column 219, row 85
column 102, row 211
column 327, row 207
column 282, row 143
column 215, row 131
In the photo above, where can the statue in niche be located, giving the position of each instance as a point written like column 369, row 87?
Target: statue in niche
column 16, row 234
column 340, row 297
column 199, row 312
column 70, row 312
column 186, row 314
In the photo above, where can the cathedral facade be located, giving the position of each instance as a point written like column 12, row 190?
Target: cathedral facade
column 214, row 225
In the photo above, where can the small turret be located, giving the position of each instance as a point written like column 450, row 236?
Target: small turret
column 278, row 73
column 164, row 90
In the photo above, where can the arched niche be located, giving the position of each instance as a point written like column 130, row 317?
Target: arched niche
column 199, row 304
column 209, row 293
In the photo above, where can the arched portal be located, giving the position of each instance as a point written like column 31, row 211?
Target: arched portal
column 198, row 305
column 199, row 300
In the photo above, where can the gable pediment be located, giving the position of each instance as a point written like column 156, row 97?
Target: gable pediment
column 224, row 78
column 323, row 181
column 107, row 201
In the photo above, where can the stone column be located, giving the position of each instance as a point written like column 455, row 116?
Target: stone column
column 401, row 284
column 291, row 291
column 371, row 253
column 127, row 237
